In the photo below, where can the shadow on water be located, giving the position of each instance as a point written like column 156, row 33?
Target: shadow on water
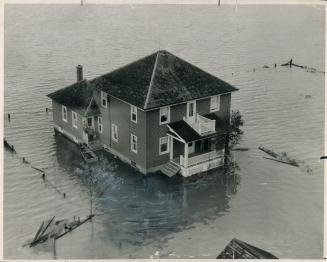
column 137, row 209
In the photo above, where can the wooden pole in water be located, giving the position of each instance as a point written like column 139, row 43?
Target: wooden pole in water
column 219, row 3
column 54, row 248
column 81, row 2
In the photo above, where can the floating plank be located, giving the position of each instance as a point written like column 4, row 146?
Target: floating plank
column 74, row 226
column 38, row 232
column 281, row 161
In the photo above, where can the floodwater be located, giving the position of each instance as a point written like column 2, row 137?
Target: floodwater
column 271, row 205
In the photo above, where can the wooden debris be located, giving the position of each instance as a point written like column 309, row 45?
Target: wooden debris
column 284, row 162
column 283, row 158
column 56, row 230
column 237, row 249
column 269, row 152
column 38, row 169
column 8, row 146
column 240, row 149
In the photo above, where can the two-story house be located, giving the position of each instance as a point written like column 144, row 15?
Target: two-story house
column 157, row 113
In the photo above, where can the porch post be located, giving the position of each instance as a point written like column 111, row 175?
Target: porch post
column 171, row 147
column 186, row 154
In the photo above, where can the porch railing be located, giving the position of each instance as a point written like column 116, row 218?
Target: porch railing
column 201, row 158
column 201, row 124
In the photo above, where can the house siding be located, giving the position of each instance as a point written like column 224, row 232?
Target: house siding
column 104, row 137
column 147, row 129
column 119, row 113
column 177, row 112
column 67, row 126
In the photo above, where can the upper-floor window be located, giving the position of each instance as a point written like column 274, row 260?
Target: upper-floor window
column 114, row 132
column 134, row 143
column 191, row 109
column 74, row 119
column 100, row 124
column 164, row 116
column 104, row 99
column 134, row 114
column 64, row 113
column 163, row 145
column 214, row 103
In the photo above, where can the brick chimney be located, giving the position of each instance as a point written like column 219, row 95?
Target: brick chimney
column 79, row 70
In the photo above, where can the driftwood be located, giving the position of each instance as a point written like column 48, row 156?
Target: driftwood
column 8, row 146
column 74, row 225
column 56, row 231
column 38, row 169
column 279, row 158
column 281, row 161
column 240, row 149
column 309, row 69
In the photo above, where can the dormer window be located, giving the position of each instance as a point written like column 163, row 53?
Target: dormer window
column 214, row 103
column 104, row 99
column 164, row 116
column 134, row 114
column 64, row 113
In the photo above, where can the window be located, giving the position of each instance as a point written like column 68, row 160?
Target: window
column 104, row 99
column 214, row 103
column 134, row 143
column 74, row 119
column 114, row 132
column 191, row 109
column 134, row 114
column 90, row 121
column 164, row 115
column 163, row 145
column 64, row 113
column 100, row 124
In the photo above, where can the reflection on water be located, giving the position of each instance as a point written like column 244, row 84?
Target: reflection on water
column 139, row 209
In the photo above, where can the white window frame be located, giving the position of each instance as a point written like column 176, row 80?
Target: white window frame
column 188, row 109
column 64, row 115
column 160, row 143
column 74, row 119
column 114, row 130
column 100, row 126
column 132, row 148
column 104, row 97
column 214, row 103
column 134, row 112
column 161, row 113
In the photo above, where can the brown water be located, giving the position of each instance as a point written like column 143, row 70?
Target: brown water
column 268, row 204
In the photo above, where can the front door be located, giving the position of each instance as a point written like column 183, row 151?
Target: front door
column 191, row 110
column 191, row 147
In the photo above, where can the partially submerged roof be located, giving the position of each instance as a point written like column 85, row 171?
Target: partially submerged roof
column 78, row 97
column 237, row 249
column 160, row 79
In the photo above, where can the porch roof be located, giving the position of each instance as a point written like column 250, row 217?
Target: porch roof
column 188, row 134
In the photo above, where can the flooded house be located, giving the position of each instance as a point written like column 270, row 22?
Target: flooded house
column 157, row 113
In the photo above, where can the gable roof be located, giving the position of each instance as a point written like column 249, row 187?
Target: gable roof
column 160, row 79
column 78, row 97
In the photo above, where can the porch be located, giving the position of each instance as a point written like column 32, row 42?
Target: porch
column 195, row 152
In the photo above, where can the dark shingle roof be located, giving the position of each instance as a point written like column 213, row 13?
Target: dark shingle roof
column 156, row 80
column 160, row 79
column 77, row 97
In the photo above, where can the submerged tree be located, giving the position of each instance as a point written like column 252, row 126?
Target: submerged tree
column 234, row 132
column 233, row 136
